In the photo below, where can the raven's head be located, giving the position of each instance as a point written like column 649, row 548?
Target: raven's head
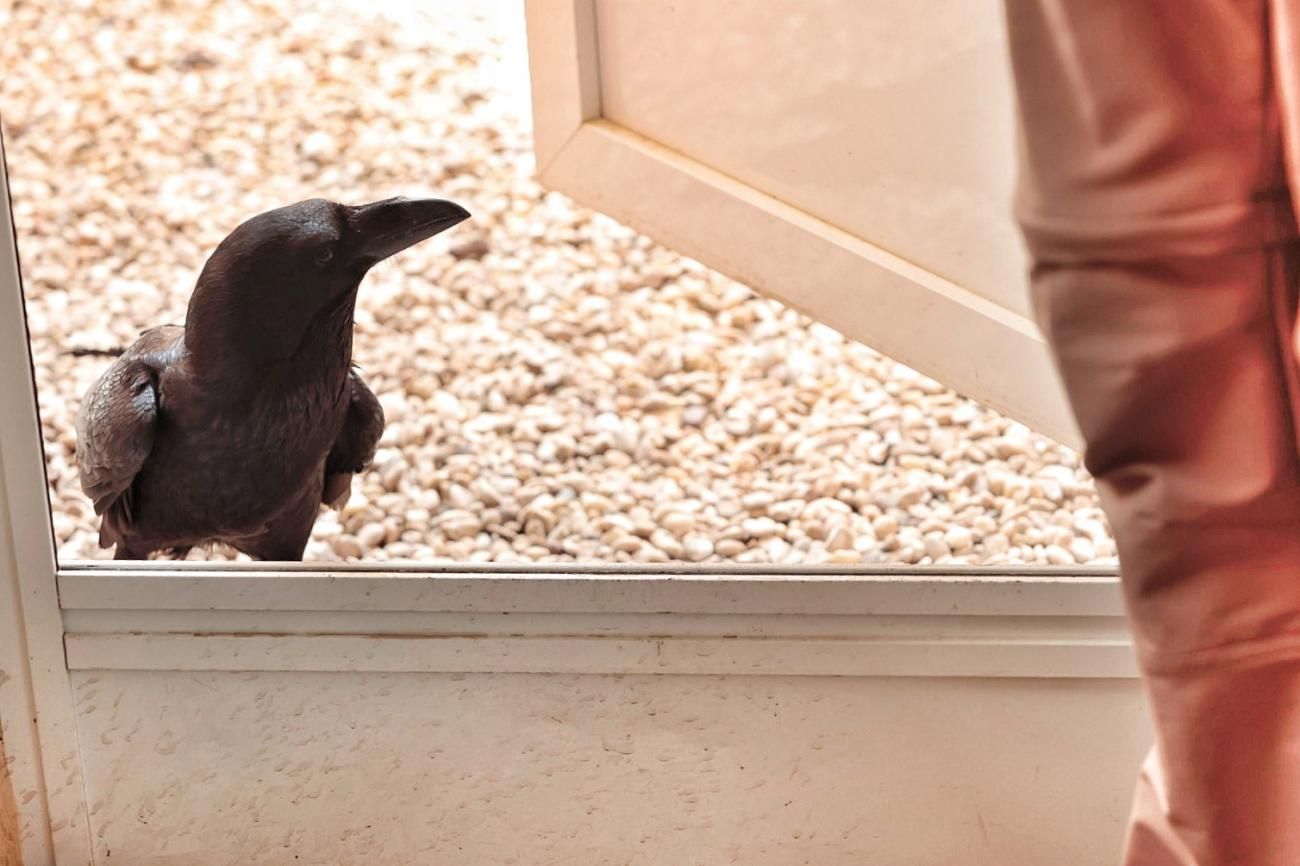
column 284, row 272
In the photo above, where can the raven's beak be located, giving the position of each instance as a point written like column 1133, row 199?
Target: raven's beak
column 387, row 227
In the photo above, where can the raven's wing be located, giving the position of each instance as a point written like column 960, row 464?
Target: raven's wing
column 356, row 443
column 116, row 425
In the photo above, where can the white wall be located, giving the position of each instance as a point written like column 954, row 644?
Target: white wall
column 314, row 768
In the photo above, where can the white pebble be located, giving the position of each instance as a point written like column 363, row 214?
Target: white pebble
column 678, row 522
column 959, row 539
column 697, row 547
column 935, row 547
column 840, row 539
column 786, row 510
column 458, row 523
column 729, row 548
column 1083, row 550
column 761, row 527
column 1057, row 555
column 668, row 543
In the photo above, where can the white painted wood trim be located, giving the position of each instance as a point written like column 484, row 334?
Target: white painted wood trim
column 18, row 729
column 911, row 592
column 385, row 624
column 251, row 619
column 564, row 63
column 33, row 653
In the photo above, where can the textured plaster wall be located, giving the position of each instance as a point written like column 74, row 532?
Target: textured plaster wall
column 258, row 769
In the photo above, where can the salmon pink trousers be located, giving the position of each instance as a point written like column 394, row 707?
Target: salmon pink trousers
column 1160, row 170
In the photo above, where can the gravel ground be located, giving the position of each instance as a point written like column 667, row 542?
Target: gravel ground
column 557, row 386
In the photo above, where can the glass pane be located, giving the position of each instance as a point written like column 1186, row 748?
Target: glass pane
column 556, row 386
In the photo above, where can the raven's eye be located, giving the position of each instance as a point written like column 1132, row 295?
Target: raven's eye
column 324, row 255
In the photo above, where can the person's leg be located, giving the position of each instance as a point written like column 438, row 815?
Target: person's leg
column 1154, row 204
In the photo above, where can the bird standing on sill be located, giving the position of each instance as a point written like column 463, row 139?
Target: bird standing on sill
column 237, row 427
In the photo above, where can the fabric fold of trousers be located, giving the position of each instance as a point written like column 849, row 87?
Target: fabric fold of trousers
column 1158, row 164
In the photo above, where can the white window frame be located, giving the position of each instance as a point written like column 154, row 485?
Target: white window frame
column 56, row 619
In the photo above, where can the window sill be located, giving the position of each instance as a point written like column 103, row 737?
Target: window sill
column 596, row 620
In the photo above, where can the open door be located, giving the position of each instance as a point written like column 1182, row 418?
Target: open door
column 851, row 158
